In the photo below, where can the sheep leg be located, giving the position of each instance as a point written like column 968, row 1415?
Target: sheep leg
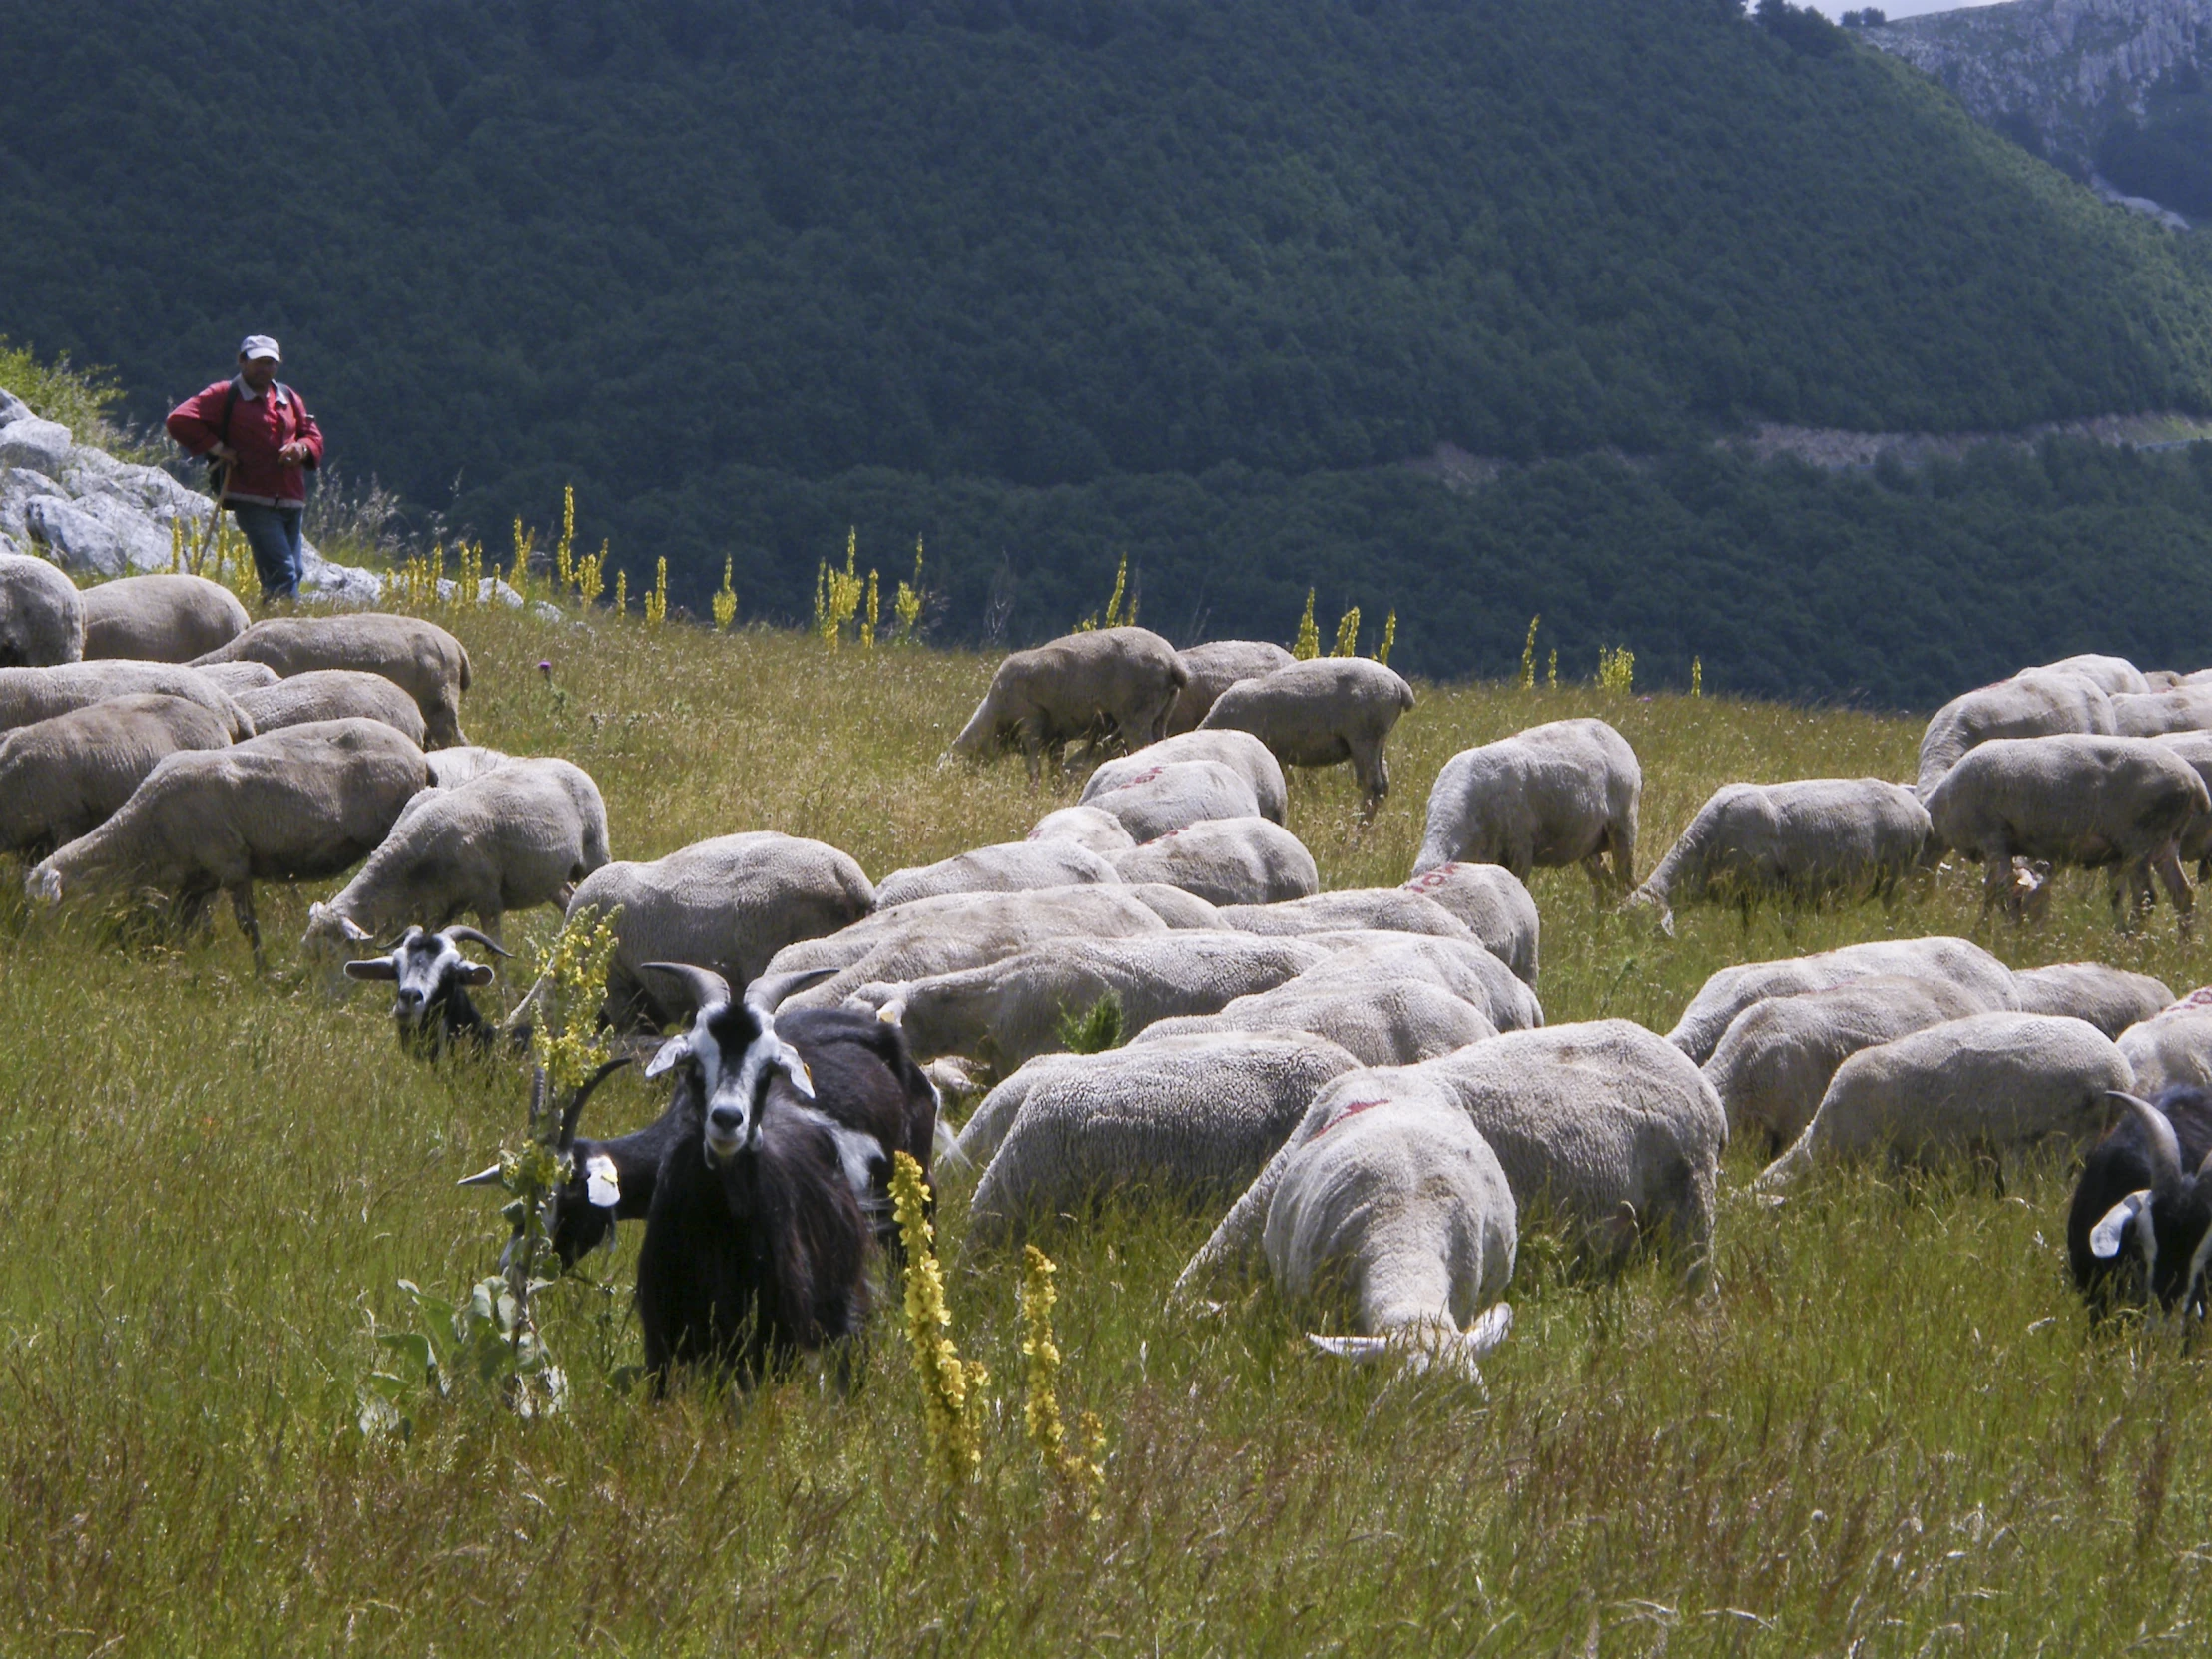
column 1601, row 879
column 1373, row 773
column 1997, row 881
column 2166, row 863
column 242, row 907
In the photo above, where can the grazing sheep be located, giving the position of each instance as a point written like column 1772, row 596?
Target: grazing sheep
column 1226, row 860
column 1321, row 712
column 1987, row 1085
column 28, row 695
column 333, row 694
column 160, row 619
column 1360, row 959
column 1393, row 1023
column 1004, row 1011
column 1185, row 1123
column 1799, row 841
column 237, row 679
column 2195, row 845
column 426, row 662
column 518, row 837
column 1777, row 1058
column 1602, row 1124
column 1564, row 793
column 2154, row 714
column 1214, row 666
column 1493, row 903
column 978, row 1139
column 1009, row 867
column 42, row 615
column 1398, row 1207
column 2092, row 801
column 2034, row 703
column 1175, row 906
column 2110, row 998
column 1349, row 909
column 1117, row 682
column 458, row 764
column 2173, row 1048
column 64, row 777
column 1731, row 990
column 1089, row 826
column 1239, row 752
column 729, row 903
column 297, row 804
column 2112, row 675
column 1156, row 798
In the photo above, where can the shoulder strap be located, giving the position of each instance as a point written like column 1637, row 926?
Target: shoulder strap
column 230, row 397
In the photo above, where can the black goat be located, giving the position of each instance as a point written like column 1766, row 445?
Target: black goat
column 773, row 1176
column 430, row 1003
column 2141, row 1222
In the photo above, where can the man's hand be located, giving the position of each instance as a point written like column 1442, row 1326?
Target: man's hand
column 226, row 454
column 294, row 453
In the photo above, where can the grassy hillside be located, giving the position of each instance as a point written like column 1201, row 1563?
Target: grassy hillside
column 1892, row 1428
column 909, row 259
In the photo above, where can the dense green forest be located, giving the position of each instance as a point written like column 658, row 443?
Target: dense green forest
column 2166, row 152
column 1044, row 280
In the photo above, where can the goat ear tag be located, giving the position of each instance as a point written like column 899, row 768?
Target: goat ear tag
column 675, row 1049
column 2104, row 1238
column 602, row 1181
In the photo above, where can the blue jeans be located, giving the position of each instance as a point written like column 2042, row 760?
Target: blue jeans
column 274, row 535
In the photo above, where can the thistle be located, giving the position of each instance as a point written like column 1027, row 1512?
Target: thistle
column 1528, row 655
column 1348, row 634
column 952, row 1388
column 726, row 598
column 1308, row 645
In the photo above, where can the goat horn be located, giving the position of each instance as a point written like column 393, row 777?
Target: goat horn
column 482, row 1178
column 469, row 935
column 765, row 994
column 2165, row 1145
column 574, row 1108
column 705, row 985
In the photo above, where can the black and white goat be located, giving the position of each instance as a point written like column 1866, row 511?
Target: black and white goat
column 768, row 1175
column 432, row 980
column 2140, row 1226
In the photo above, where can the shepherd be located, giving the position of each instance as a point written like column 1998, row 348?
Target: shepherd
column 258, row 435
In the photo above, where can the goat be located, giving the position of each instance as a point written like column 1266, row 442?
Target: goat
column 2145, row 1196
column 432, row 980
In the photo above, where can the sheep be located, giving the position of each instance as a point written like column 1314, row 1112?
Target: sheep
column 1462, row 968
column 1185, row 1123
column 729, row 903
column 236, row 679
column 1492, row 902
column 1986, row 1085
column 1239, row 752
column 426, row 662
column 1320, row 712
column 28, row 695
column 1175, row 907
column 1399, row 1207
column 430, row 979
column 449, row 767
column 334, row 694
column 962, row 931
column 295, row 804
column 1602, row 1124
column 2195, row 844
column 1731, row 990
column 1777, row 1058
column 518, row 837
column 1214, row 666
column 1009, row 867
column 1156, row 798
column 2141, row 1225
column 63, row 777
column 1118, row 681
column 1564, row 793
column 2094, row 801
column 2112, row 675
column 1089, row 826
column 1801, row 841
column 161, row 619
column 42, row 615
column 2154, row 714
column 1226, row 860
column 1349, row 909
column 759, row 1249
column 2173, row 1048
column 2033, row 704
column 2110, row 998
column 1391, row 1022
column 1002, row 1012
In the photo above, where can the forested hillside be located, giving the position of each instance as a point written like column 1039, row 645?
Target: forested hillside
column 1046, row 280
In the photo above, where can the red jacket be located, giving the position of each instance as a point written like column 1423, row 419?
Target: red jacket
column 258, row 428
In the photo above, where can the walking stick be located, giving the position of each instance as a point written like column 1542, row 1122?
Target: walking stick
column 222, row 477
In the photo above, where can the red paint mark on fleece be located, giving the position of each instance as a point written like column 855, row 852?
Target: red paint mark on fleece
column 1351, row 1109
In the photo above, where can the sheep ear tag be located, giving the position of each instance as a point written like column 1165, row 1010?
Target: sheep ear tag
column 796, row 1069
column 2104, row 1238
column 675, row 1049
column 602, row 1181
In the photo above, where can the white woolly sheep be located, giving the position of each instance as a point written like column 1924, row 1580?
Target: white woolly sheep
column 42, row 615
column 64, row 777
column 1214, row 666
column 1393, row 1023
column 34, row 693
column 1564, row 793
column 1319, row 712
column 2173, row 1047
column 1155, row 799
column 333, row 694
column 426, row 662
column 2034, row 703
column 2111, row 674
column 1495, row 904
column 161, row 619
column 1089, row 826
column 449, row 767
column 1008, row 867
column 1226, row 860
column 1239, row 752
column 1117, row 682
column 1460, row 967
column 2110, row 998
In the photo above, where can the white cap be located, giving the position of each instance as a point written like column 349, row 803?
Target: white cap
column 256, row 346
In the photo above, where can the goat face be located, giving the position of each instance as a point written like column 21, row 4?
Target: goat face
column 732, row 1047
column 427, row 971
column 2167, row 1225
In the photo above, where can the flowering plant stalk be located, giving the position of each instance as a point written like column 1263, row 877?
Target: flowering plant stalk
column 952, row 1388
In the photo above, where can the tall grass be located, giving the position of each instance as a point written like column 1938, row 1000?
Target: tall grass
column 1890, row 1430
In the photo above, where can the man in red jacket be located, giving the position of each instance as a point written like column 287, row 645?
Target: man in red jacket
column 267, row 442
